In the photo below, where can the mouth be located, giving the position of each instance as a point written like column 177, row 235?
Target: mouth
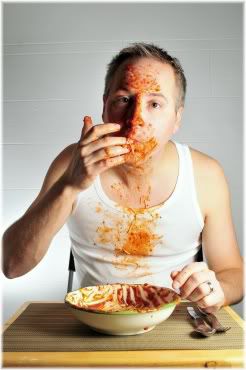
column 139, row 151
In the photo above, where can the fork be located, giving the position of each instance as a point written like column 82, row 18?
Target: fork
column 213, row 321
column 201, row 326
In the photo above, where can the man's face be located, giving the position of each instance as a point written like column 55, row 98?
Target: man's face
column 142, row 99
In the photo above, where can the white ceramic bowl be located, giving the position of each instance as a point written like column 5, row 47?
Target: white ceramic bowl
column 123, row 318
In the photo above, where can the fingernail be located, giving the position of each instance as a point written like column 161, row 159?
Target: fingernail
column 127, row 150
column 87, row 119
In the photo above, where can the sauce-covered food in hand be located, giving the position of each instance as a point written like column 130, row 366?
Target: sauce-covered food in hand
column 122, row 297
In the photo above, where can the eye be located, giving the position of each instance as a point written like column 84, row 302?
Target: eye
column 155, row 104
column 123, row 100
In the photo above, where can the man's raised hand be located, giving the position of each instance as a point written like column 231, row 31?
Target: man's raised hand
column 95, row 152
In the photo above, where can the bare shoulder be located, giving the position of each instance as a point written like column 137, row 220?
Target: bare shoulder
column 211, row 183
column 206, row 165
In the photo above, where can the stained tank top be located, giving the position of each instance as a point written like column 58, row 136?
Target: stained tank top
column 112, row 244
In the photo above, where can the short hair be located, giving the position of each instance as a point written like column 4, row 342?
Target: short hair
column 144, row 50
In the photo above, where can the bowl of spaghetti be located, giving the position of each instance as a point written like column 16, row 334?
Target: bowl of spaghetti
column 122, row 309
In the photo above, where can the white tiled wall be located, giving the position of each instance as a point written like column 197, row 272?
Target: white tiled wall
column 55, row 57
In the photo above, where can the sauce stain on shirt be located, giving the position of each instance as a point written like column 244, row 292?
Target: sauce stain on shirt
column 132, row 235
column 140, row 236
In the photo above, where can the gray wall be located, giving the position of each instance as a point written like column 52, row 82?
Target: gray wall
column 54, row 64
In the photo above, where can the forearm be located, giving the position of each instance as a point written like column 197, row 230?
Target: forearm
column 231, row 281
column 27, row 240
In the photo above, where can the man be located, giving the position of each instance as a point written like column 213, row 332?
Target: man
column 137, row 204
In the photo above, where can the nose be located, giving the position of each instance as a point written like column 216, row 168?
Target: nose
column 135, row 114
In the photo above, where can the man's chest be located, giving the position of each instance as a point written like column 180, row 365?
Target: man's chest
column 140, row 194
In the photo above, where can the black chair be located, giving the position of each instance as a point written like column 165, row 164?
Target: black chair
column 199, row 256
column 71, row 269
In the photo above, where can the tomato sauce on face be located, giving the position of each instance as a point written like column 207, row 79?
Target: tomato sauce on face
column 141, row 83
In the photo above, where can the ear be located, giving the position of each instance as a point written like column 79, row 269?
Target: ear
column 104, row 102
column 178, row 119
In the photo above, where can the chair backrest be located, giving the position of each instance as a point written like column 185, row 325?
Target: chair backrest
column 71, row 269
column 199, row 255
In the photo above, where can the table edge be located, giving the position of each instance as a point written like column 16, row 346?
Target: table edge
column 181, row 358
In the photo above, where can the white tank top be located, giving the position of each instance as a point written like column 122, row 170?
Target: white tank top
column 111, row 244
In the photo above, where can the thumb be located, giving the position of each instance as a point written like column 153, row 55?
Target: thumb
column 87, row 126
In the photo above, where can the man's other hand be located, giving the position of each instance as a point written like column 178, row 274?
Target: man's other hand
column 199, row 284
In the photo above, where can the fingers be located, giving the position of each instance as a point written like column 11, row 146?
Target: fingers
column 202, row 290
column 186, row 272
column 98, row 131
column 174, row 274
column 211, row 309
column 98, row 167
column 105, row 142
column 196, row 286
column 199, row 284
column 87, row 126
column 99, row 151
column 112, row 162
column 96, row 147
column 105, row 153
column 213, row 300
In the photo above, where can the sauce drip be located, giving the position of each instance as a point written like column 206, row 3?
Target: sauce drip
column 132, row 234
column 141, row 238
